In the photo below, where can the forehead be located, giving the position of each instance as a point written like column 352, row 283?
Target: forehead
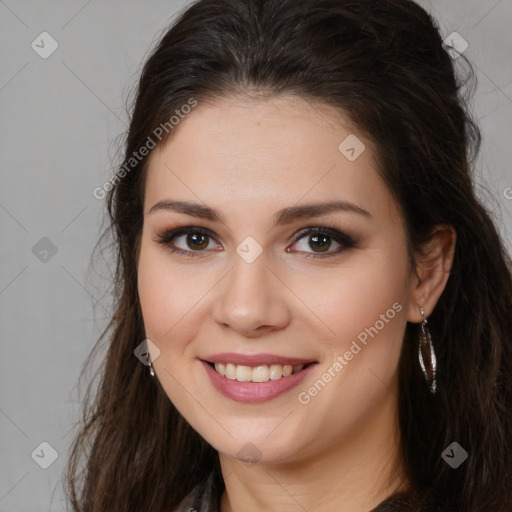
column 261, row 154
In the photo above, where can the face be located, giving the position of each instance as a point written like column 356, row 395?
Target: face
column 247, row 274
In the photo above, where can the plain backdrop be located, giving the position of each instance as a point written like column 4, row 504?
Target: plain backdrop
column 62, row 116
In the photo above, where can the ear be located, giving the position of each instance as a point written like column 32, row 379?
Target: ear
column 433, row 270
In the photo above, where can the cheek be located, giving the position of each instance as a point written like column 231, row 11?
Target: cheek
column 164, row 298
column 367, row 314
column 371, row 293
column 363, row 304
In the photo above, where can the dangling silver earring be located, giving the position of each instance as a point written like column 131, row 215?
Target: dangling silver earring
column 427, row 355
column 151, row 371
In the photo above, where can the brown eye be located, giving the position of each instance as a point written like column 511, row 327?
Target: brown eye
column 197, row 241
column 321, row 239
column 321, row 242
column 194, row 240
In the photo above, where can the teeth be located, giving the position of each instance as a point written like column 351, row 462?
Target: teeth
column 258, row 373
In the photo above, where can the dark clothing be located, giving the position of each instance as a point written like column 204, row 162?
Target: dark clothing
column 199, row 501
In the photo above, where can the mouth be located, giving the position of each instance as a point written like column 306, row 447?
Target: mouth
column 257, row 373
column 254, row 378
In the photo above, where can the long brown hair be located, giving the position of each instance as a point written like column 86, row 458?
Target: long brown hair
column 384, row 64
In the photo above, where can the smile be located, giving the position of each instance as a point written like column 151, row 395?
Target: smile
column 254, row 384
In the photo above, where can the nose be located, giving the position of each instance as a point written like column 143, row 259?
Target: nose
column 251, row 299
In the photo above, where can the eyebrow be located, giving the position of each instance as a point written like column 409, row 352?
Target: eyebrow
column 282, row 217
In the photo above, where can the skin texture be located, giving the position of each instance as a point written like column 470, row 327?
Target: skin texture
column 249, row 158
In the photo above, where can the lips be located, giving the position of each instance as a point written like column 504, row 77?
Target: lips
column 257, row 386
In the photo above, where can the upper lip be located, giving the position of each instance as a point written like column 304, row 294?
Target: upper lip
column 255, row 359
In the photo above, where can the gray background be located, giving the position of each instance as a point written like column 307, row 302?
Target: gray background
column 60, row 126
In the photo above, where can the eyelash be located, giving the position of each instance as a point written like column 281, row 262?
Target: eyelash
column 346, row 241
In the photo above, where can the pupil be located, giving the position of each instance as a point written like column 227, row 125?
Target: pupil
column 323, row 240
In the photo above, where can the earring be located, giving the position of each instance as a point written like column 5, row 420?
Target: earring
column 151, row 371
column 427, row 355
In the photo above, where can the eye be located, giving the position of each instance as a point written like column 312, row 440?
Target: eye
column 320, row 240
column 195, row 240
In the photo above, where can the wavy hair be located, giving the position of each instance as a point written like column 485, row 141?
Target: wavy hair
column 384, row 65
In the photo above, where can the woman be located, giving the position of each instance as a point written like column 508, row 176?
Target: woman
column 320, row 303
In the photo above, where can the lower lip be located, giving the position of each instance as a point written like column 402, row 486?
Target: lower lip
column 254, row 392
